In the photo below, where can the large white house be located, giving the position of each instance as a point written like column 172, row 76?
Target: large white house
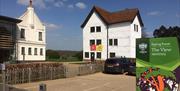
column 31, row 41
column 111, row 34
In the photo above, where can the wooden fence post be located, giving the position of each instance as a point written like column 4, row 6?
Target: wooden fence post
column 51, row 73
column 29, row 75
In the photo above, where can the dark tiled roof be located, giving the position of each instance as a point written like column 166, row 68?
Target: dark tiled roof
column 10, row 19
column 109, row 18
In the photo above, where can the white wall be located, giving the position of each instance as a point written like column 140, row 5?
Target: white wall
column 135, row 35
column 87, row 36
column 124, row 32
column 29, row 18
column 31, row 57
column 120, row 31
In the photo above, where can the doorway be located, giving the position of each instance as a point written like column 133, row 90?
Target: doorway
column 92, row 56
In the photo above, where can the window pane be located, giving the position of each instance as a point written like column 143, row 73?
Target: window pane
column 40, row 36
column 92, row 29
column 135, row 27
column 86, row 54
column 115, row 42
column 22, row 33
column 29, row 51
column 35, row 51
column 98, row 29
column 92, row 42
column 112, row 54
column 41, row 51
column 98, row 54
column 110, row 42
column 98, row 42
column 23, row 50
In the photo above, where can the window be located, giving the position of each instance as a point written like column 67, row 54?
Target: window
column 98, row 54
column 22, row 50
column 98, row 42
column 92, row 29
column 112, row 54
column 29, row 51
column 22, row 33
column 41, row 51
column 135, row 27
column 86, row 54
column 98, row 28
column 110, row 42
column 40, row 36
column 35, row 51
column 92, row 42
column 115, row 42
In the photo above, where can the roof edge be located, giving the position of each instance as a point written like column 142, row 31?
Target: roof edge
column 10, row 19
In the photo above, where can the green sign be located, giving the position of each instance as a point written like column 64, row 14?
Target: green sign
column 157, row 64
column 161, row 49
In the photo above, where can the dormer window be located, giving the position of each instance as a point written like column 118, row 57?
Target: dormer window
column 22, row 35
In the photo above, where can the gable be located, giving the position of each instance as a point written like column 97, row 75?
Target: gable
column 109, row 18
column 30, row 18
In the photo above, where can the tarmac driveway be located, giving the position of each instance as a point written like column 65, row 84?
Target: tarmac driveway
column 94, row 82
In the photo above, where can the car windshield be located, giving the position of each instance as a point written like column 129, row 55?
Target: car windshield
column 111, row 61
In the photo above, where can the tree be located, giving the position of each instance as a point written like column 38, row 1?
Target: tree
column 161, row 32
column 167, row 32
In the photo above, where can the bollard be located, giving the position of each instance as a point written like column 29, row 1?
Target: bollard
column 42, row 87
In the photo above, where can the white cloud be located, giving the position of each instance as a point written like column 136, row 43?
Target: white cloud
column 154, row 13
column 51, row 26
column 80, row 5
column 70, row 6
column 23, row 2
column 37, row 3
column 59, row 4
column 178, row 15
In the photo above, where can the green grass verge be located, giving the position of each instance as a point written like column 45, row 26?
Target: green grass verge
column 170, row 66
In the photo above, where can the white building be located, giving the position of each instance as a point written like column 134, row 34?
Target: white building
column 31, row 41
column 111, row 34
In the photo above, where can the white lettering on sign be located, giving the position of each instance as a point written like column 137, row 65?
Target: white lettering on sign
column 160, row 49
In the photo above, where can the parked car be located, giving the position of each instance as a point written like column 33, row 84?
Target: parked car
column 116, row 65
column 132, row 68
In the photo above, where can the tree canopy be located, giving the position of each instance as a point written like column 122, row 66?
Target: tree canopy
column 167, row 32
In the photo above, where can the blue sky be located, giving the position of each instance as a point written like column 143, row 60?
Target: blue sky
column 64, row 17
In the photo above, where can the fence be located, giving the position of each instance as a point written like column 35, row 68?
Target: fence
column 31, row 72
column 83, row 69
column 11, row 88
column 24, row 73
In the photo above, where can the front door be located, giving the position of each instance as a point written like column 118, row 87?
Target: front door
column 92, row 56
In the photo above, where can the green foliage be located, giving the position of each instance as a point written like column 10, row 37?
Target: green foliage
column 63, row 56
column 79, row 55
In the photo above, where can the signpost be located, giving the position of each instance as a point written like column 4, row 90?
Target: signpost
column 2, row 67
